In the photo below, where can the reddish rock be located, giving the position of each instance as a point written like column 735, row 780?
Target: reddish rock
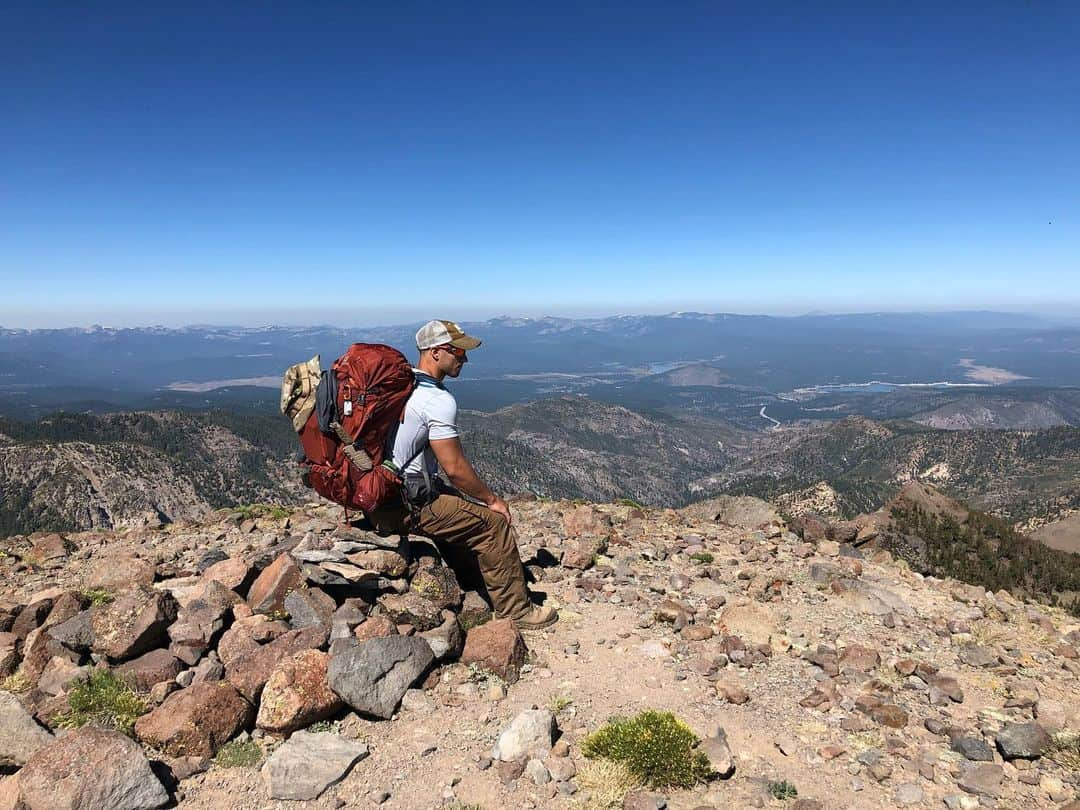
column 697, row 632
column 297, row 694
column 580, row 553
column 732, row 692
column 236, row 642
column 154, row 667
column 87, row 769
column 40, row 648
column 196, row 721
column 68, row 605
column 250, row 672
column 234, row 573
column 268, row 592
column 135, row 622
column 498, row 647
column 50, row 550
column 889, row 714
column 118, row 572
column 585, row 519
column 375, row 627
column 857, row 658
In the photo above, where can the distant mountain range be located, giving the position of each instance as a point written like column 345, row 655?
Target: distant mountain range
column 126, row 367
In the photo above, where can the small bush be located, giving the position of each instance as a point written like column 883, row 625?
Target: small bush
column 239, row 754
column 703, row 557
column 558, row 703
column 631, row 503
column 657, row 747
column 103, row 700
column 98, row 596
column 782, row 790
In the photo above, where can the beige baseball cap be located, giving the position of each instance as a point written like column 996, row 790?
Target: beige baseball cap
column 441, row 333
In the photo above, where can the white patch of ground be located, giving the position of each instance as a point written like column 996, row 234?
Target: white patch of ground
column 989, row 374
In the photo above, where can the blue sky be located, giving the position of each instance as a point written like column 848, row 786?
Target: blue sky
column 358, row 163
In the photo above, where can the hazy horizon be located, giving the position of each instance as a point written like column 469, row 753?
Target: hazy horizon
column 297, row 319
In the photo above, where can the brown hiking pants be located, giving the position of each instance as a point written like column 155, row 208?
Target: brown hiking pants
column 470, row 537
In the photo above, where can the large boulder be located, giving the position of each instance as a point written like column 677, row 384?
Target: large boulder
column 498, row 647
column 307, row 764
column 297, row 694
column 196, row 721
column 373, row 677
column 20, row 736
column 134, row 623
column 91, row 769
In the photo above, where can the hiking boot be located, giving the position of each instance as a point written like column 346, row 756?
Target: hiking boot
column 537, row 618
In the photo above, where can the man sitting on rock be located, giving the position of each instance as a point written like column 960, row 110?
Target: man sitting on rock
column 437, row 508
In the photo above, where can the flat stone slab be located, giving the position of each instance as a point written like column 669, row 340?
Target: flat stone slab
column 307, row 764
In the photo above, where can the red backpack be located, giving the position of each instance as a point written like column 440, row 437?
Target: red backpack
column 352, row 414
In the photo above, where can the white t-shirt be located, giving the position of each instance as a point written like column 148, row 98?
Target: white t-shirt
column 430, row 413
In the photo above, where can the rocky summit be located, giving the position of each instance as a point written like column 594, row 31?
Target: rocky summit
column 291, row 660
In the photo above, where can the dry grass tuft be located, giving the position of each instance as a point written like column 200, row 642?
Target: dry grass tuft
column 607, row 782
column 1065, row 750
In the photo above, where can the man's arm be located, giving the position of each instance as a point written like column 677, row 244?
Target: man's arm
column 452, row 459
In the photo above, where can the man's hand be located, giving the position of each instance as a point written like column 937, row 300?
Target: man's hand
column 500, row 507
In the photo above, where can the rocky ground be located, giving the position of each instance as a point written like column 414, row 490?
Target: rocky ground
column 363, row 676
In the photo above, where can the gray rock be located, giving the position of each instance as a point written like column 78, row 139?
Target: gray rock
column 76, row 633
column 977, row 656
column 91, row 769
column 974, row 748
column 1022, row 741
column 20, row 735
column 448, row 639
column 307, row 764
column 718, row 751
column 908, row 794
column 537, row 772
column 373, row 676
column 982, row 779
column 308, row 607
column 529, row 735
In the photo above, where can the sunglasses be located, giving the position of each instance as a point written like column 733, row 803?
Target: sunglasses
column 459, row 353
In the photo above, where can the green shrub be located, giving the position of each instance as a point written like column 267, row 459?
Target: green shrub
column 98, row 596
column 239, row 754
column 656, row 746
column 782, row 790
column 103, row 700
column 702, row 557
